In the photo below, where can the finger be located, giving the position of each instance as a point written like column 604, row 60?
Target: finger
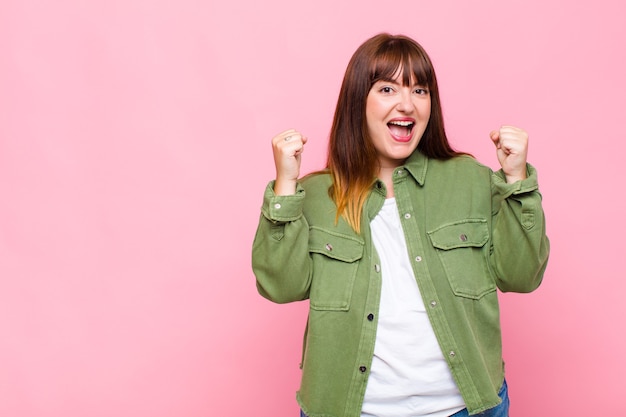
column 292, row 136
column 292, row 144
column 289, row 145
column 513, row 136
column 494, row 135
column 282, row 135
column 300, row 149
column 512, row 132
column 510, row 128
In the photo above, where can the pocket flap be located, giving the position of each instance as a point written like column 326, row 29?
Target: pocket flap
column 335, row 245
column 465, row 233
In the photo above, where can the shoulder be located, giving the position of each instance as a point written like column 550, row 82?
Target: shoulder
column 319, row 208
column 462, row 172
column 465, row 164
column 316, row 182
column 316, row 187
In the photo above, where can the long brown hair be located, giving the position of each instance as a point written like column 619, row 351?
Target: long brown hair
column 352, row 158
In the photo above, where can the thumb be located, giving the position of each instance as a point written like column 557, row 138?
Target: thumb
column 494, row 135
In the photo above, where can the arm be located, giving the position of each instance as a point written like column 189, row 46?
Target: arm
column 520, row 246
column 280, row 255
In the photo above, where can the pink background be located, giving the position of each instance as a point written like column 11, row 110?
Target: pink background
column 135, row 146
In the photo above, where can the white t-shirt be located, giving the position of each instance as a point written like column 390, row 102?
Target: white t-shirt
column 409, row 375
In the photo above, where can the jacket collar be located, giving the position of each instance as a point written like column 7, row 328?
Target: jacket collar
column 417, row 164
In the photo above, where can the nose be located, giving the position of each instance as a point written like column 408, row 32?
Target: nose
column 405, row 101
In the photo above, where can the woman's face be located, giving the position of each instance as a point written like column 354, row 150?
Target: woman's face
column 396, row 117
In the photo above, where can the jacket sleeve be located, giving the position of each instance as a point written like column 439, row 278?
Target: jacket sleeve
column 280, row 255
column 520, row 247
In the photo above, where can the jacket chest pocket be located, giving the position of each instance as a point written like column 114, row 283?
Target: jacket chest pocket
column 335, row 261
column 460, row 247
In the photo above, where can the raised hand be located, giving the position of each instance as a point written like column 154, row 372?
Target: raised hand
column 287, row 147
column 512, row 150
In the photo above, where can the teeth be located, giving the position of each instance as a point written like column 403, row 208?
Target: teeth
column 400, row 123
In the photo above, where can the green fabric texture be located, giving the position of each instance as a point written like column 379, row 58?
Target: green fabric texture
column 468, row 233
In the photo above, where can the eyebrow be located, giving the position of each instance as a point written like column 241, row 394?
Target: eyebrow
column 395, row 81
column 389, row 80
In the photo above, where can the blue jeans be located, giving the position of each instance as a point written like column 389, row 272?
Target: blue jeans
column 500, row 410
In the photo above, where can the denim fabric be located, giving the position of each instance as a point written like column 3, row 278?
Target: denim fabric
column 501, row 410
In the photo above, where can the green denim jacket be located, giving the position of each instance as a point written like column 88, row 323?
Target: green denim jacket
column 468, row 232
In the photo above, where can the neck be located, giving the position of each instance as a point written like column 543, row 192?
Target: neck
column 386, row 176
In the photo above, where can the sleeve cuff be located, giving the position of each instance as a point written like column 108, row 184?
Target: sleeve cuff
column 527, row 185
column 282, row 208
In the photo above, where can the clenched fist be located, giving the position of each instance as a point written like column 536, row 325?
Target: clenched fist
column 512, row 149
column 288, row 147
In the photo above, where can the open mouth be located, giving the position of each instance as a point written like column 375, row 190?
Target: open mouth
column 401, row 128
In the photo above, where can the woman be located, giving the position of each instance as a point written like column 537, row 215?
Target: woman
column 399, row 245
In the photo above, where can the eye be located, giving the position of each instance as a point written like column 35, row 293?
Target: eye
column 386, row 90
column 421, row 91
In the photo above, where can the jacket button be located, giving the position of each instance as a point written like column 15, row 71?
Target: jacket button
column 277, row 206
column 362, row 369
column 407, row 216
column 377, row 268
column 329, row 247
column 463, row 237
column 418, row 259
column 370, row 317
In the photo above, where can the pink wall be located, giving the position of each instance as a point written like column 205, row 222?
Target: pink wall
column 134, row 148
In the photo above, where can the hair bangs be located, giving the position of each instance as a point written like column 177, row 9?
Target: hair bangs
column 401, row 60
column 352, row 158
